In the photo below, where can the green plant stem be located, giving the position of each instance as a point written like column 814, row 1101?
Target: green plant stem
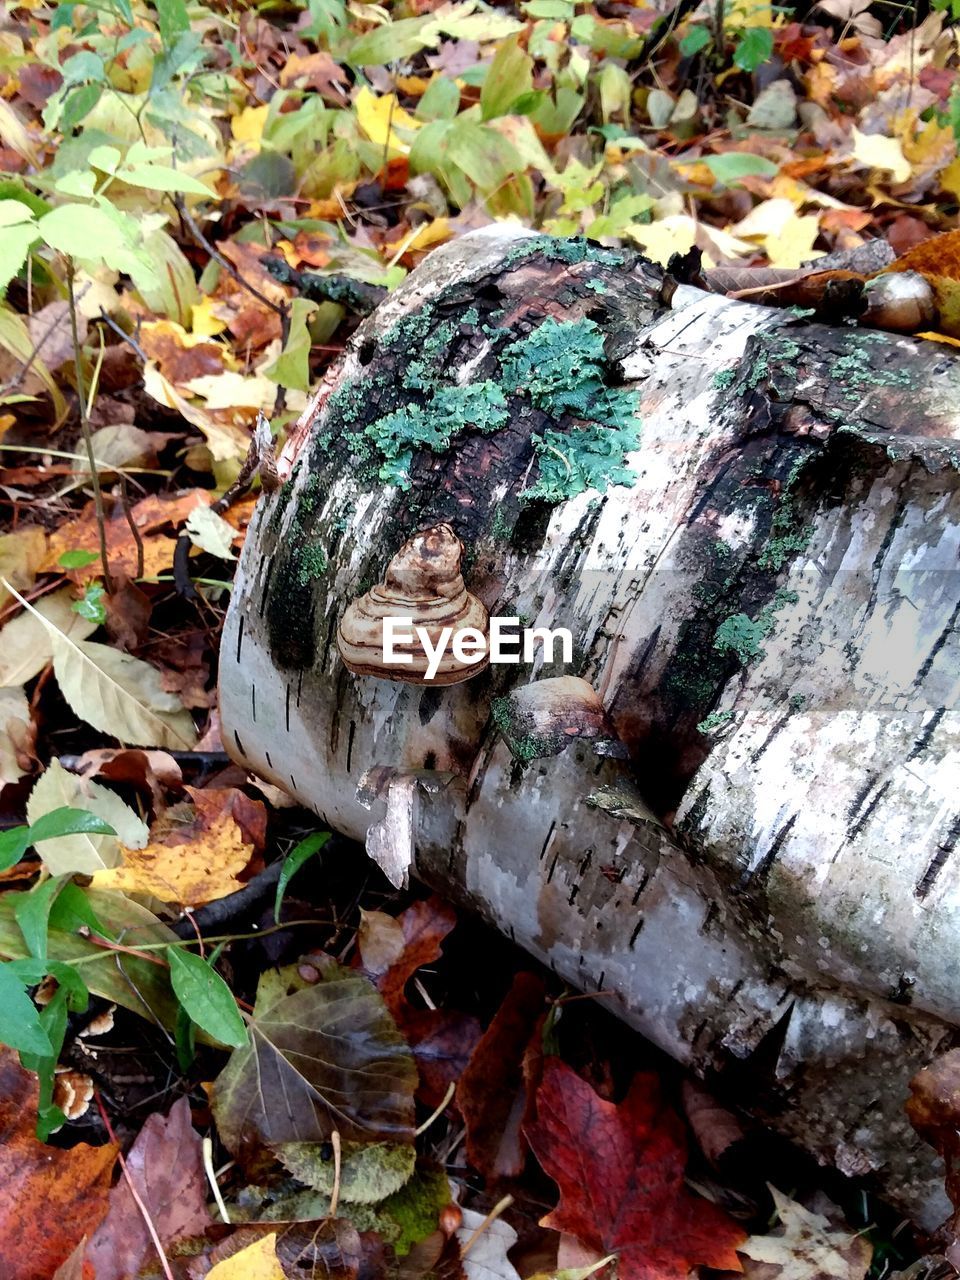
column 87, row 432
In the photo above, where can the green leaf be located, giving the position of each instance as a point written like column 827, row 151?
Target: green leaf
column 82, row 231
column 20, row 1025
column 83, row 66
column 172, row 19
column 390, row 42
column 755, row 47
column 734, row 165
column 294, row 860
column 368, row 1173
column 15, row 244
column 292, row 367
column 697, row 38
column 441, row 100
column 510, row 77
column 53, row 1020
column 72, row 910
column 334, row 1054
column 206, row 997
column 77, row 559
column 162, row 177
column 32, row 913
column 484, row 155
column 68, row 822
column 13, row 845
column 91, row 606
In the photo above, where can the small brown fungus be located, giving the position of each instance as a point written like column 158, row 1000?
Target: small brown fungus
column 425, row 586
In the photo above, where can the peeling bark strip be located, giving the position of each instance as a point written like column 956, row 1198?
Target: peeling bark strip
column 751, row 525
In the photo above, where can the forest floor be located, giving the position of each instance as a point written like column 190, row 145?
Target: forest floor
column 197, row 206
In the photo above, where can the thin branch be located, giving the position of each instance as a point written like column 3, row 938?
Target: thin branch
column 280, row 308
column 87, row 432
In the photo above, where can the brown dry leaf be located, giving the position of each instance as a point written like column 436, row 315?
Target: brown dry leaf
column 179, row 355
column 21, row 555
column 392, row 950
column 49, row 1198
column 51, row 334
column 165, row 1164
column 938, row 261
column 82, row 534
column 805, row 1246
column 25, row 646
column 196, row 853
column 316, row 71
column 17, row 736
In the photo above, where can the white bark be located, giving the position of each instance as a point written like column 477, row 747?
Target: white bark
column 799, row 918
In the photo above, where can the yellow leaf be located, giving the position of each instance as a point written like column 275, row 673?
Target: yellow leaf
column 247, row 126
column 940, row 337
column 205, row 323
column 380, row 118
column 429, row 233
column 225, row 440
column 950, row 179
column 193, row 872
column 258, row 1261
column 878, row 152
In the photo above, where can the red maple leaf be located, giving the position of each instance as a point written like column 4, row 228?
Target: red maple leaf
column 620, row 1174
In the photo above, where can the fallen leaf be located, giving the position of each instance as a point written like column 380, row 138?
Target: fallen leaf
column 805, row 1246
column 442, row 1041
column 82, row 854
column 165, row 1165
column 487, row 1258
column 381, row 117
column 195, row 853
column 210, row 532
column 620, row 1173
column 258, row 1261
column 933, row 1109
column 393, row 949
column 17, row 736
column 332, row 1052
column 497, row 1090
column 49, row 1198
column 25, row 645
column 116, row 693
column 876, row 151
column 21, row 555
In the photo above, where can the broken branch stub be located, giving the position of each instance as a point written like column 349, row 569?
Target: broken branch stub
column 750, row 524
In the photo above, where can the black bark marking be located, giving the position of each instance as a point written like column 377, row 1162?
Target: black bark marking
column 553, row 866
column 864, row 817
column 763, row 868
column 268, row 760
column 941, row 640
column 636, row 934
column 350, row 737
column 286, row 708
column 711, row 914
column 546, row 843
column 929, row 729
column 236, row 738
column 240, row 638
column 640, row 888
column 253, row 701
column 575, row 889
column 939, row 860
column 293, row 782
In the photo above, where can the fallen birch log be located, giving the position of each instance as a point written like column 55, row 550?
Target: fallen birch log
column 740, row 821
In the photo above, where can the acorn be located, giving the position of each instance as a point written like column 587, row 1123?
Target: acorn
column 901, row 301
column 424, row 585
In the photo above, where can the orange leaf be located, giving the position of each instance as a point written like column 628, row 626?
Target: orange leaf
column 938, row 261
column 49, row 1198
column 82, row 534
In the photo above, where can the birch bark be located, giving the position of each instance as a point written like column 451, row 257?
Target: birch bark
column 766, row 885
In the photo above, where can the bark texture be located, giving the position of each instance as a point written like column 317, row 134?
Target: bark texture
column 764, row 592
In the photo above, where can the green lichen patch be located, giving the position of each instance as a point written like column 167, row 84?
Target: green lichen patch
column 572, row 252
column 714, row 721
column 741, row 635
column 396, row 436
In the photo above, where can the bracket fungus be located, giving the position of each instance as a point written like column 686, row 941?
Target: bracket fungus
column 423, row 591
